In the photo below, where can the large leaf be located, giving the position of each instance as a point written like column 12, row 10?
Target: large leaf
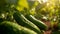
column 32, row 3
column 11, row 1
column 22, row 4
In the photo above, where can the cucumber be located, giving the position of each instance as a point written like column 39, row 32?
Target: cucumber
column 7, row 27
column 58, row 26
column 56, row 32
column 37, row 22
column 21, row 20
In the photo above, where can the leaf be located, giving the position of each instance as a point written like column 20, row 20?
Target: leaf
column 32, row 3
column 11, row 1
column 22, row 4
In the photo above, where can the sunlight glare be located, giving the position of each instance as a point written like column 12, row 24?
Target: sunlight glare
column 40, row 1
column 45, row 1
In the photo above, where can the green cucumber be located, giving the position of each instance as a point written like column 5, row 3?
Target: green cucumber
column 21, row 20
column 58, row 26
column 55, row 32
column 37, row 22
column 7, row 27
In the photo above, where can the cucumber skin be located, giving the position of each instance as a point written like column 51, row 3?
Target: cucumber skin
column 21, row 20
column 7, row 27
column 39, row 23
column 58, row 26
column 55, row 32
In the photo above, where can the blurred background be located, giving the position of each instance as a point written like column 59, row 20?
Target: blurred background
column 47, row 11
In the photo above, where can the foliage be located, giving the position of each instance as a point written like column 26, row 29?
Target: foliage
column 39, row 8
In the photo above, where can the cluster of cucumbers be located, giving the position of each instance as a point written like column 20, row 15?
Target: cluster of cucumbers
column 25, row 24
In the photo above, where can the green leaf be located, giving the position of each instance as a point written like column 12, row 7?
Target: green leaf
column 22, row 4
column 32, row 3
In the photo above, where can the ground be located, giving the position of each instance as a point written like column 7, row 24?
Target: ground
column 48, row 24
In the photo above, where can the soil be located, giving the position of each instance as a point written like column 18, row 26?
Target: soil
column 47, row 32
column 48, row 24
